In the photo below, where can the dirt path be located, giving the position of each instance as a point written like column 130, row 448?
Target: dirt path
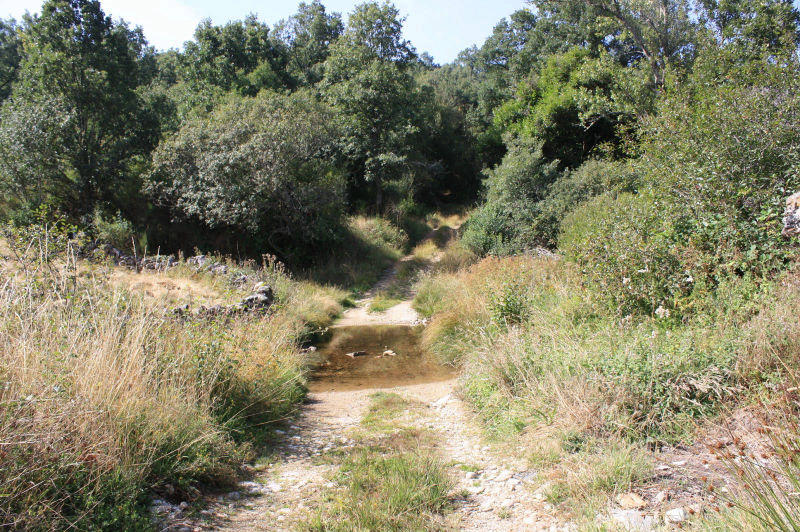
column 495, row 493
column 492, row 492
column 399, row 314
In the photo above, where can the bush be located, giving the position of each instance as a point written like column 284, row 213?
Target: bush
column 722, row 156
column 527, row 200
column 712, row 195
column 259, row 168
column 573, row 187
column 501, row 225
column 623, row 246
column 509, row 305
column 117, row 231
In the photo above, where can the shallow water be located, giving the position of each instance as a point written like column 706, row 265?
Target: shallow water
column 335, row 371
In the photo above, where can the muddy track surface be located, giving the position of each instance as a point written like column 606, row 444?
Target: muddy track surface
column 493, row 491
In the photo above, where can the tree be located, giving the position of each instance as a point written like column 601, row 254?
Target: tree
column 9, row 56
column 238, row 56
column 74, row 54
column 662, row 30
column 32, row 153
column 368, row 80
column 379, row 28
column 308, row 35
column 576, row 105
column 764, row 24
column 258, row 168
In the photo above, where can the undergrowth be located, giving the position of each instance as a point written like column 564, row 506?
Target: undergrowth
column 542, row 359
column 393, row 480
column 106, row 396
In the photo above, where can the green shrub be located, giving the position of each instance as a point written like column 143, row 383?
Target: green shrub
column 721, row 158
column 509, row 305
column 592, row 178
column 117, row 231
column 501, row 225
column 712, row 195
column 625, row 248
column 257, row 170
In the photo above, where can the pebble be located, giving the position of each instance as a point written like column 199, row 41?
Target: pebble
column 507, row 503
column 503, row 476
column 676, row 515
column 633, row 520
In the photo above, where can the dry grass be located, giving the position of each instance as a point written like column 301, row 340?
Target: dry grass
column 105, row 396
column 540, row 358
column 426, row 250
column 452, row 219
column 107, row 386
column 171, row 289
column 369, row 247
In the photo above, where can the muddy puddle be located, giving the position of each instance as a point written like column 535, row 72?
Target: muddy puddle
column 373, row 356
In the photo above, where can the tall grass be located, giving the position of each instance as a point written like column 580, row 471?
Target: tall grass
column 393, row 480
column 528, row 335
column 105, row 396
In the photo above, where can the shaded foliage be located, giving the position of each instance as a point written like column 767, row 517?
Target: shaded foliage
column 258, row 168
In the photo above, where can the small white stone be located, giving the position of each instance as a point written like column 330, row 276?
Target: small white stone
column 633, row 520
column 503, row 476
column 475, row 490
column 676, row 515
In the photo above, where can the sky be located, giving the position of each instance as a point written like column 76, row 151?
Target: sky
column 440, row 27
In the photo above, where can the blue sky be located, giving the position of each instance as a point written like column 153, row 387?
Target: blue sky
column 441, row 27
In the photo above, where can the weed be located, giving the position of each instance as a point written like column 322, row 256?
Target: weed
column 392, row 483
column 383, row 302
column 105, row 396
